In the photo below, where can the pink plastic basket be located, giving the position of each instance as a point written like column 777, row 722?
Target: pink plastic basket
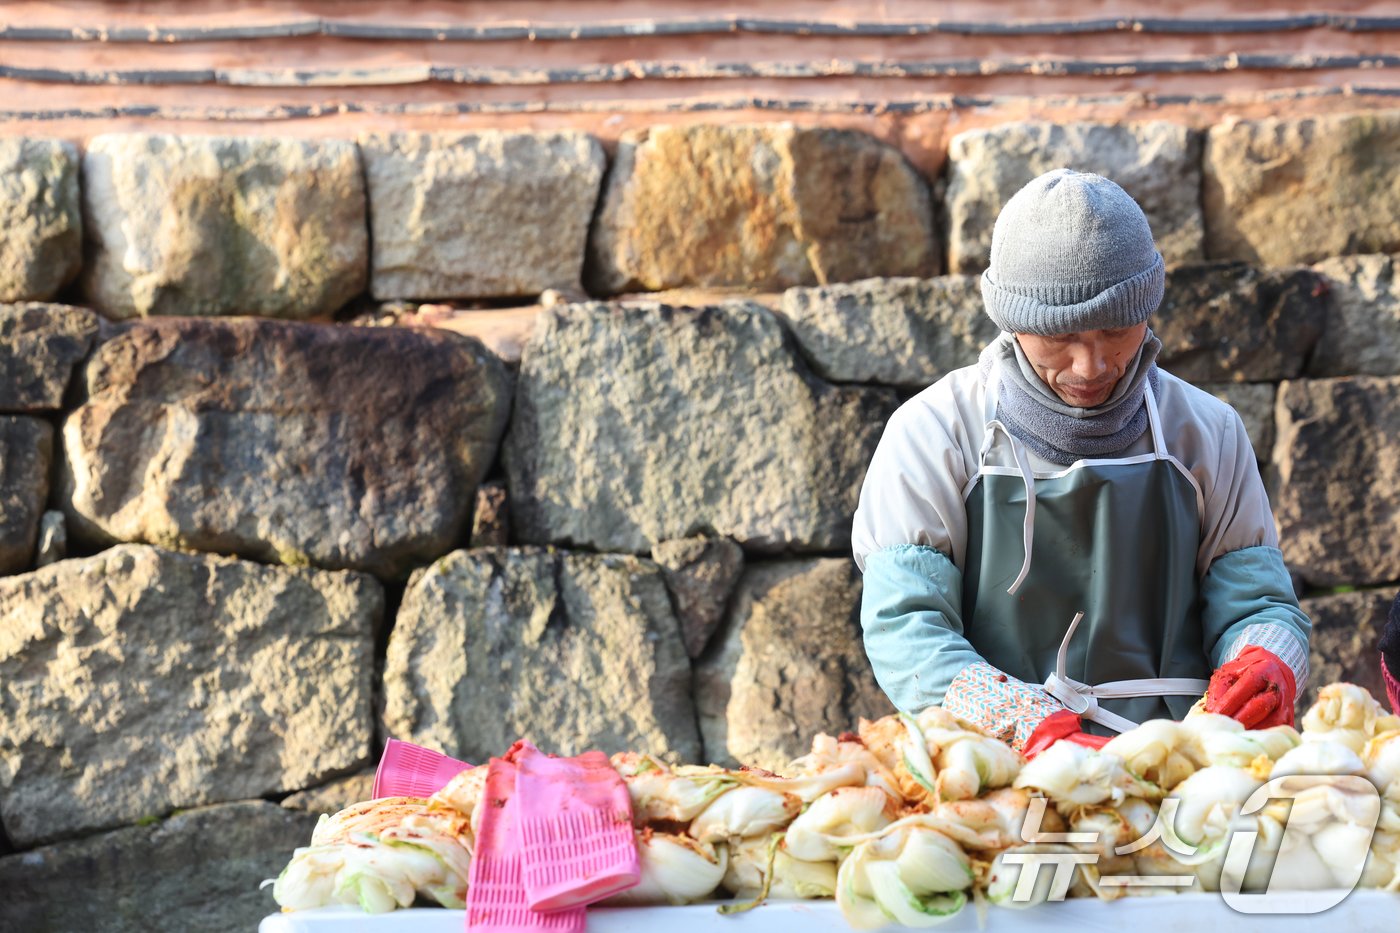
column 408, row 770
column 575, row 823
column 496, row 900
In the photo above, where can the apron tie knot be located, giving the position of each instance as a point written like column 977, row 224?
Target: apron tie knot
column 1072, row 694
column 1083, row 699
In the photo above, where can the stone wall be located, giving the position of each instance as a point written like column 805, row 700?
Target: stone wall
column 247, row 530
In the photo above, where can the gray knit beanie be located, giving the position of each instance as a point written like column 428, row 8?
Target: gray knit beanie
column 1072, row 252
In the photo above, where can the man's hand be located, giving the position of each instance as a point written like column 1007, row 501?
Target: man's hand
column 1256, row 688
column 1059, row 726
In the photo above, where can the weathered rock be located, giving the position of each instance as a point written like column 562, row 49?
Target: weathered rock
column 1337, row 459
column 53, row 539
column 39, row 346
column 491, row 517
column 902, row 332
column 339, row 447
column 1278, row 191
column 694, row 421
column 763, row 207
column 335, row 796
column 789, row 664
column 198, row 870
column 1230, row 322
column 700, row 573
column 1346, row 638
column 573, row 651
column 476, row 215
column 1362, row 336
column 1157, row 163
column 1254, row 401
column 138, row 681
column 26, row 453
column 210, row 225
column 41, row 224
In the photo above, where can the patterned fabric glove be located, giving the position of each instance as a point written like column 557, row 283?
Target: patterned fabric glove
column 1256, row 688
column 1062, row 726
column 999, row 704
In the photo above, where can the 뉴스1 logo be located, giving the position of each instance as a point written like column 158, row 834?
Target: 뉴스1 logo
column 1309, row 836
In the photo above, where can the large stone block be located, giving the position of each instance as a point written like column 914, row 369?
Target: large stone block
column 26, row 454
column 902, row 332
column 336, row 796
column 41, row 230
column 138, row 681
column 1337, row 460
column 1230, row 322
column 1362, row 336
column 635, row 424
column 210, row 225
column 700, row 573
column 759, row 207
column 198, row 870
column 1345, row 645
column 40, row 344
column 477, row 215
column 572, row 651
column 1279, row 191
column 340, row 447
column 1254, row 403
column 1157, row 163
column 789, row 664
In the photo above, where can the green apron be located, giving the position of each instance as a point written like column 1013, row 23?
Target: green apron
column 1085, row 579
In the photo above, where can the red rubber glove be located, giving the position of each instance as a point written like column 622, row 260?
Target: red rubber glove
column 1062, row 725
column 1256, row 688
column 1390, row 655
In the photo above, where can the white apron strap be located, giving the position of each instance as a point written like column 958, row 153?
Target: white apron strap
column 1083, row 699
column 991, row 393
column 1023, row 464
column 1154, row 420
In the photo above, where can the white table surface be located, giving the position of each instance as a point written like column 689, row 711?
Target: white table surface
column 1360, row 912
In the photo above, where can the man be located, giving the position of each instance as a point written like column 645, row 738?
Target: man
column 1390, row 656
column 1063, row 540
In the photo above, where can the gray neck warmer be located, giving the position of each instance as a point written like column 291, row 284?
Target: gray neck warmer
column 1062, row 433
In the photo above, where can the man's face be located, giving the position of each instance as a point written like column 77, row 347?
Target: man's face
column 1083, row 368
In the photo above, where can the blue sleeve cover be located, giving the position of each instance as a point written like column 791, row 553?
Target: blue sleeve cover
column 911, row 617
column 1247, row 598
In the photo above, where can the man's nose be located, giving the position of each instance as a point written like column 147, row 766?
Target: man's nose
column 1090, row 362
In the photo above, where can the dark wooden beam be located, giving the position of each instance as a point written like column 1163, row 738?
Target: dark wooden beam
column 449, row 32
